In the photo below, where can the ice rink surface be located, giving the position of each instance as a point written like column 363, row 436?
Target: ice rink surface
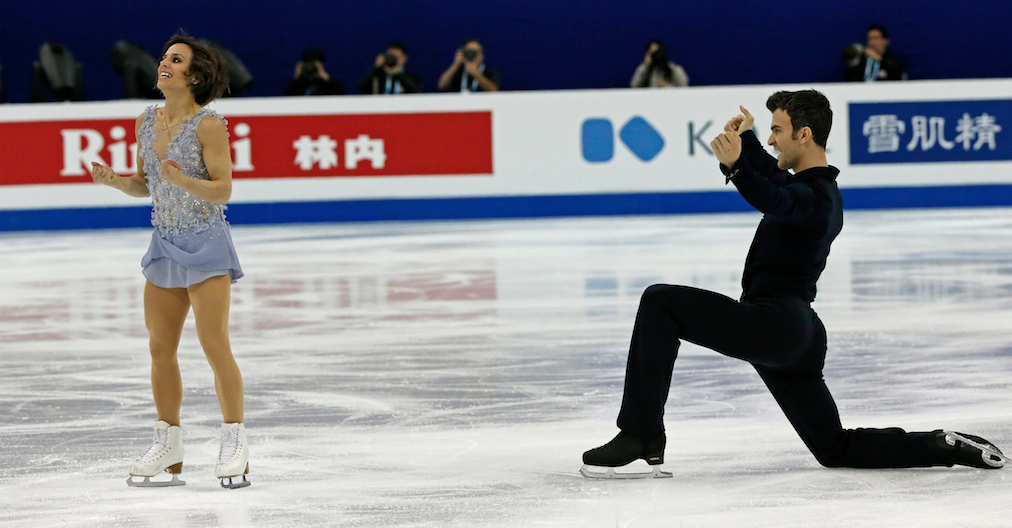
column 452, row 374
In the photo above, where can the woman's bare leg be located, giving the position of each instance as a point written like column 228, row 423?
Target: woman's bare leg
column 210, row 301
column 165, row 311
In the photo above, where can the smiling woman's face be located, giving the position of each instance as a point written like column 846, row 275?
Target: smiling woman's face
column 172, row 70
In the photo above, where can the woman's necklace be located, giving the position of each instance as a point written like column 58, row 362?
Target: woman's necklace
column 166, row 126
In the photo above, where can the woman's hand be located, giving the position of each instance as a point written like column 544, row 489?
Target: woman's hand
column 172, row 172
column 104, row 174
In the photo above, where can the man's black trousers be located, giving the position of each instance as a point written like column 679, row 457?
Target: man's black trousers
column 785, row 341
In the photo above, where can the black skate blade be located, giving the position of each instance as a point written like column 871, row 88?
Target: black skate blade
column 990, row 455
column 594, row 472
column 232, row 483
column 148, row 483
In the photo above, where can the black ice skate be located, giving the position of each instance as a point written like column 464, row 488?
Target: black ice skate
column 967, row 450
column 622, row 450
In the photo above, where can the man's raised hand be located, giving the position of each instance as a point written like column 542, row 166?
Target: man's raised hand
column 740, row 123
column 727, row 148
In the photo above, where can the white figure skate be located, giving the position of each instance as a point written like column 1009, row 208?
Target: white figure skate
column 165, row 454
column 233, row 456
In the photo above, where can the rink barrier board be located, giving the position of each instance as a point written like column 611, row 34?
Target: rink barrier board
column 502, row 207
column 512, row 154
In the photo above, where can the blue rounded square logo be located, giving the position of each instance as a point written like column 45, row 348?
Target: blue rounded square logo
column 598, row 140
column 641, row 138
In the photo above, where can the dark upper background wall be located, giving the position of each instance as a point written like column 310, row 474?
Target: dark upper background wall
column 537, row 44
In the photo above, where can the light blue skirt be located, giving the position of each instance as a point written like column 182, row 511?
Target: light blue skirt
column 187, row 258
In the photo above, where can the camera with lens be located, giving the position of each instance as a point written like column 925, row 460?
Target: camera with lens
column 853, row 52
column 659, row 57
column 390, row 60
column 470, row 54
column 310, row 70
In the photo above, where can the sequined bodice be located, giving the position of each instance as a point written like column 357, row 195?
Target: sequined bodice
column 174, row 209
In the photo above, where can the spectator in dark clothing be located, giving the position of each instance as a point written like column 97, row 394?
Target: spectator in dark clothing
column 311, row 78
column 468, row 72
column 872, row 62
column 388, row 76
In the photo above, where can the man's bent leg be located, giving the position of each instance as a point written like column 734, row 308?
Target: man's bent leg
column 809, row 406
column 670, row 313
column 652, row 353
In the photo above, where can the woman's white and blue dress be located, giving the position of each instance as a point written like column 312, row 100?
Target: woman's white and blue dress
column 191, row 241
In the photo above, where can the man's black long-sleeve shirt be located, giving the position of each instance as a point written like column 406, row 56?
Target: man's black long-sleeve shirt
column 802, row 215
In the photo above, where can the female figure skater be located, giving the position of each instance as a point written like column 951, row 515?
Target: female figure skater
column 183, row 163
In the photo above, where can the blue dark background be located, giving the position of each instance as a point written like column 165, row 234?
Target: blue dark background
column 537, row 44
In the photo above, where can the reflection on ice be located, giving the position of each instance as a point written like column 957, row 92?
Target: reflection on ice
column 957, row 277
column 451, row 374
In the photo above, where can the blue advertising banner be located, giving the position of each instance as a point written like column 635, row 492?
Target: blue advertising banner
column 931, row 131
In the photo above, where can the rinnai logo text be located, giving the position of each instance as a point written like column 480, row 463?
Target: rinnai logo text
column 82, row 146
column 344, row 145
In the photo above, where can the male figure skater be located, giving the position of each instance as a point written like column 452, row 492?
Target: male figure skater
column 773, row 326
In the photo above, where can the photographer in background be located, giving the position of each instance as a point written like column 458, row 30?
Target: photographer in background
column 872, row 62
column 657, row 70
column 388, row 76
column 468, row 72
column 311, row 78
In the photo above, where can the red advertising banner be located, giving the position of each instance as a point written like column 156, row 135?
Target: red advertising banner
column 417, row 144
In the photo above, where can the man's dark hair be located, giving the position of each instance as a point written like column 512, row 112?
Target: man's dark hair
column 806, row 108
column 207, row 67
column 399, row 46
column 882, row 30
column 314, row 54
